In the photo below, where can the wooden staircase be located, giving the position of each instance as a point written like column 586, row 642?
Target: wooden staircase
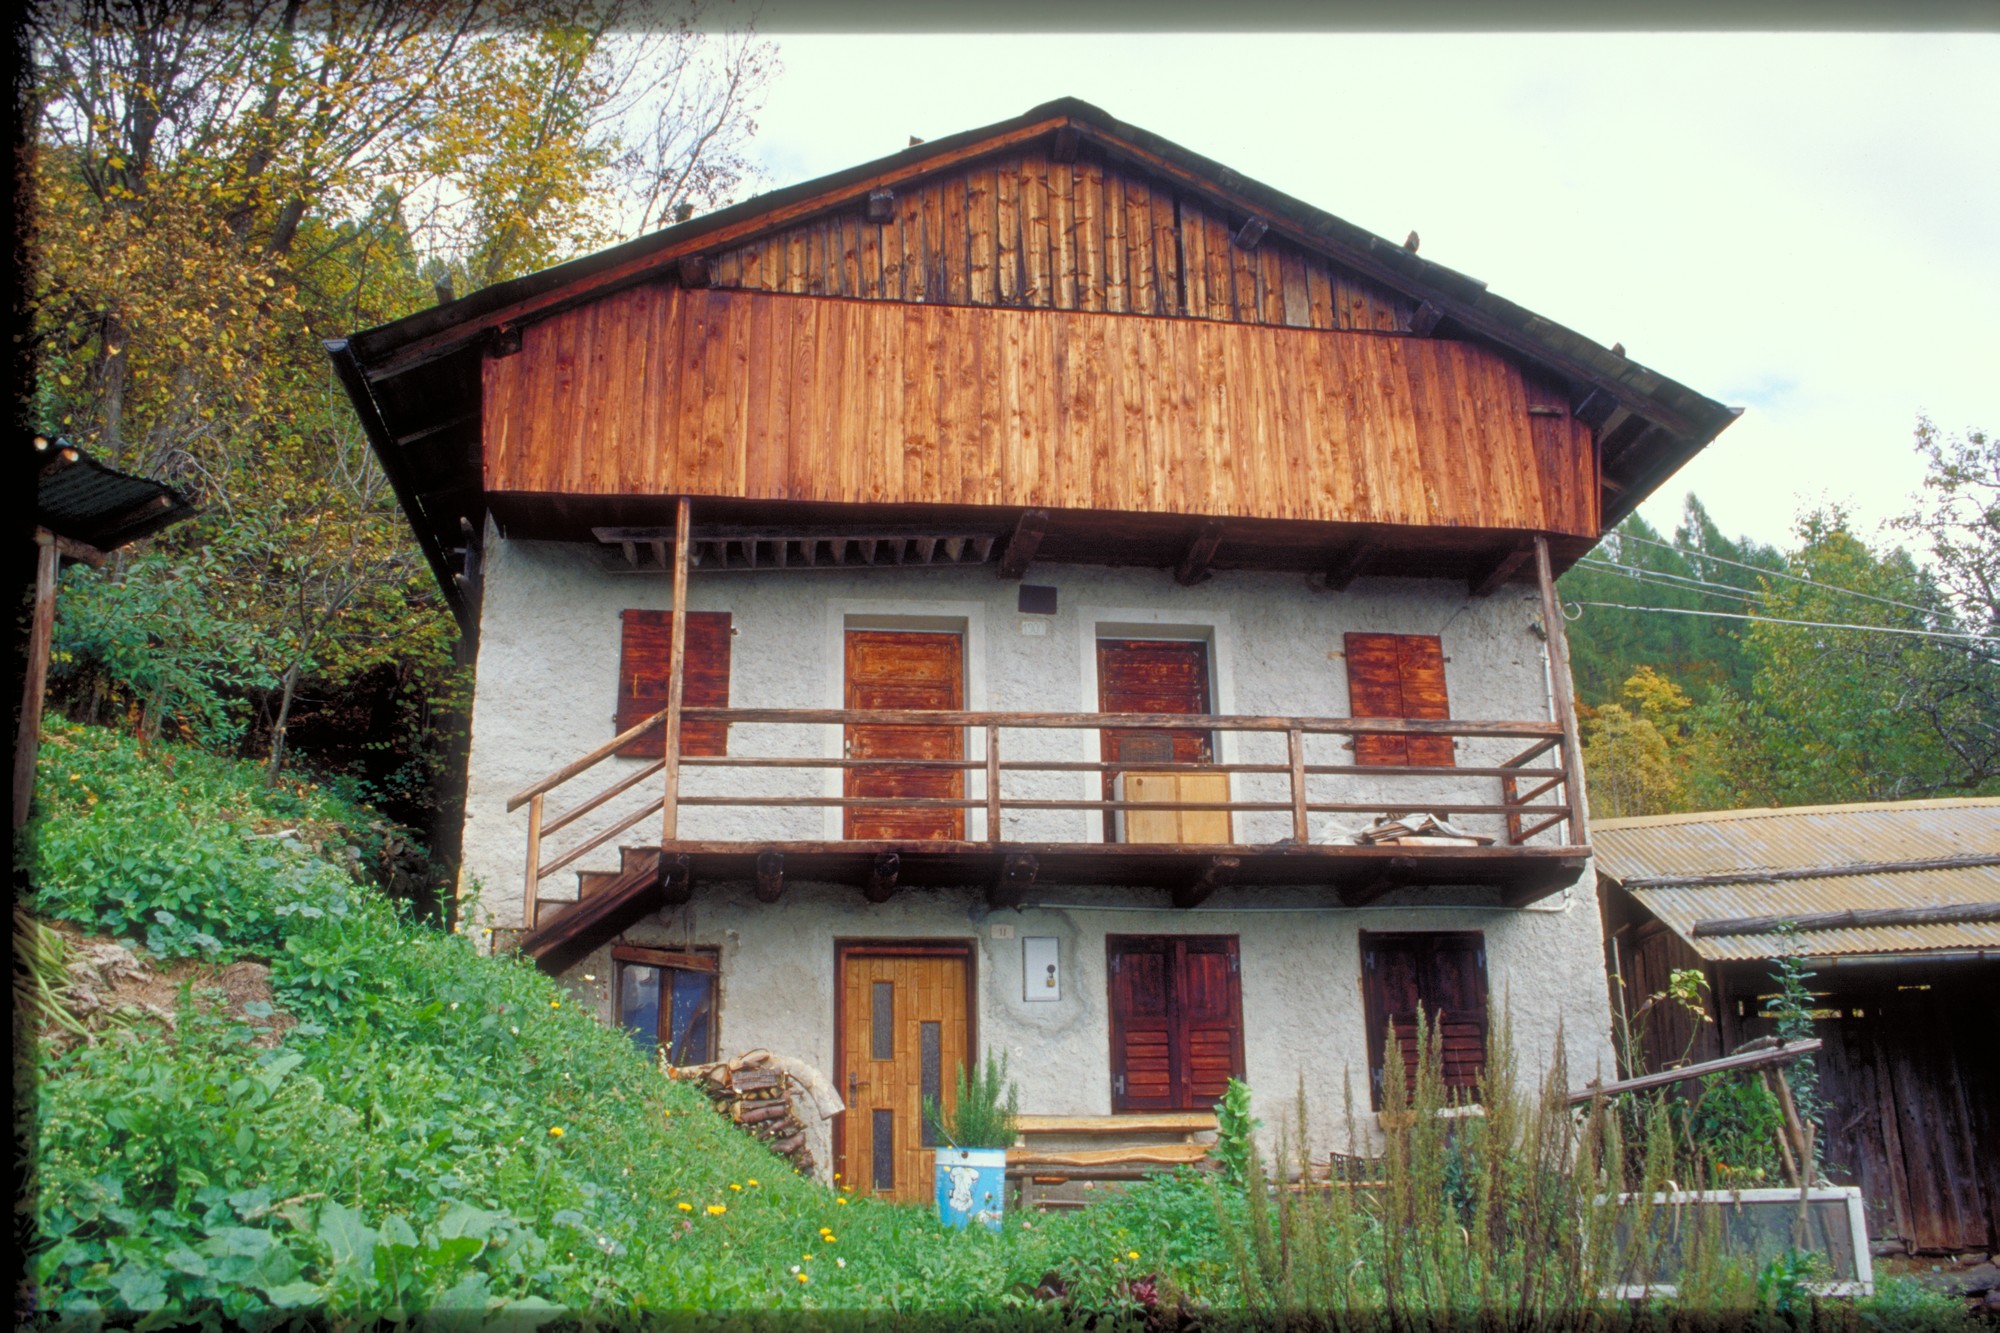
column 607, row 902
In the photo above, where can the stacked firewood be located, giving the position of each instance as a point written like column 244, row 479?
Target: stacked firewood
column 758, row 1093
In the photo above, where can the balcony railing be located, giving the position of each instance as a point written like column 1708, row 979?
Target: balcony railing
column 1533, row 789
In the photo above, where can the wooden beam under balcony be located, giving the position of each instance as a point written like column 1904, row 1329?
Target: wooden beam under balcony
column 1028, row 531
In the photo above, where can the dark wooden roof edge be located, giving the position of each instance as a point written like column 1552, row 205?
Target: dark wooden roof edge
column 1691, row 418
column 422, row 522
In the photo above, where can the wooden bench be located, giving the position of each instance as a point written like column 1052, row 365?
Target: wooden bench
column 1030, row 1164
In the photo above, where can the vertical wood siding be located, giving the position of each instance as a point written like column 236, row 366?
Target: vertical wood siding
column 1019, row 229
column 660, row 390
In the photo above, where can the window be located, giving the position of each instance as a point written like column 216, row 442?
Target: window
column 668, row 999
column 644, row 665
column 1176, row 1020
column 1398, row 675
column 1440, row 975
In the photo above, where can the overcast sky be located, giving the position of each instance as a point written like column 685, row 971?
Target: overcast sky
column 1803, row 225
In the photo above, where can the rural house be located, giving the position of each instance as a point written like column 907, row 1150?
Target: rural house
column 1896, row 908
column 983, row 598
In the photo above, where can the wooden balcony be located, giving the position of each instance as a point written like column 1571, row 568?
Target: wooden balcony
column 1527, row 794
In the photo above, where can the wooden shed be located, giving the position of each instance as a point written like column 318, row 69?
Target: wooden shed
column 1896, row 907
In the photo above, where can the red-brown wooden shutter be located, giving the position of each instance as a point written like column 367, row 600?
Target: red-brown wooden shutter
column 643, row 667
column 1176, row 1021
column 1209, row 998
column 1398, row 675
column 1440, row 975
column 1142, row 1024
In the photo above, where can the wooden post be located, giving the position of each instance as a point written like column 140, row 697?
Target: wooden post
column 670, row 805
column 992, row 783
column 28, row 740
column 1559, row 685
column 532, row 889
column 1295, row 744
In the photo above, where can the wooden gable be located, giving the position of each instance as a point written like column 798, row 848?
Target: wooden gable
column 1025, row 230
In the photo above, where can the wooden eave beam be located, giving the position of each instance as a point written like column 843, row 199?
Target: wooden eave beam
column 1428, row 316
column 1399, row 872
column 882, row 876
column 1347, row 565
column 1251, row 234
column 1021, row 547
column 1216, row 872
column 770, row 875
column 1063, row 144
column 1487, row 581
column 676, row 880
column 1193, row 568
column 1018, row 873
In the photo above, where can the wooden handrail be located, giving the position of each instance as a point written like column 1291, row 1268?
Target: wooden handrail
column 591, row 760
column 582, row 808
column 1314, row 726
column 599, row 840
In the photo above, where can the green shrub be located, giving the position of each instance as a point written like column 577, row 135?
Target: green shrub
column 985, row 1106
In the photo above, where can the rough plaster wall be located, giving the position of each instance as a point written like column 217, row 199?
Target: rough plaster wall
column 546, row 693
column 548, row 663
column 1301, row 980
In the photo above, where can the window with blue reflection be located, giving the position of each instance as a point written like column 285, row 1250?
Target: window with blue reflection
column 671, row 1005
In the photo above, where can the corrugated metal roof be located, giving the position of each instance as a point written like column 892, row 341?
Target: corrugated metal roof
column 1810, row 837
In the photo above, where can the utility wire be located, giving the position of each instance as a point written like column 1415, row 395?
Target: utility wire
column 1672, row 581
column 1810, row 624
column 1774, row 573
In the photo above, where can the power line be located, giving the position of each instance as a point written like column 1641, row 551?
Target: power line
column 1810, row 624
column 1774, row 573
column 1643, row 575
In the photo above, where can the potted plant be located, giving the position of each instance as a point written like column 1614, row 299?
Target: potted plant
column 973, row 1137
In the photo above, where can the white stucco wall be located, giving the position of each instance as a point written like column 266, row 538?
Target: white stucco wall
column 548, row 660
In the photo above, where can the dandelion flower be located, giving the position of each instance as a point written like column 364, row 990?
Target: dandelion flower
column 830, row 1238
column 1131, row 1254
column 804, row 1278
column 717, row 1209
column 555, row 1004
column 685, row 1207
column 555, row 1131
column 841, row 1202
column 753, row 1182
column 738, row 1188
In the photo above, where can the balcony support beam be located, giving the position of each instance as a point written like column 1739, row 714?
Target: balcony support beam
column 770, row 875
column 1215, row 872
column 882, row 877
column 1018, row 873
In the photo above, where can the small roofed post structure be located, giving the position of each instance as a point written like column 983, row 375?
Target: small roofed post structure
column 83, row 511
column 1895, row 907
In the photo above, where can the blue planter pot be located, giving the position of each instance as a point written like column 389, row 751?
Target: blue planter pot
column 971, row 1185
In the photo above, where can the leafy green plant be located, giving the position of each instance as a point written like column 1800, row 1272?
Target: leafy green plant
column 1791, row 1010
column 985, row 1106
column 1234, row 1126
column 1736, row 1120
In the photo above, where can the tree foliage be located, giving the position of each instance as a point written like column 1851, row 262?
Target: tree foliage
column 220, row 185
column 1859, row 675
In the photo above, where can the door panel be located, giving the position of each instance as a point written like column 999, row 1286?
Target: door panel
column 1159, row 676
column 905, row 1032
column 893, row 669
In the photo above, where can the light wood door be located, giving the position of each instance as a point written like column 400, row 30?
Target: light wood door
column 904, row 1035
column 897, row 669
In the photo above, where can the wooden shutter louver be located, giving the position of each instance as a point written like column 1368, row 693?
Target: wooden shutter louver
column 1176, row 1021
column 643, row 666
column 1435, row 977
column 1398, row 675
